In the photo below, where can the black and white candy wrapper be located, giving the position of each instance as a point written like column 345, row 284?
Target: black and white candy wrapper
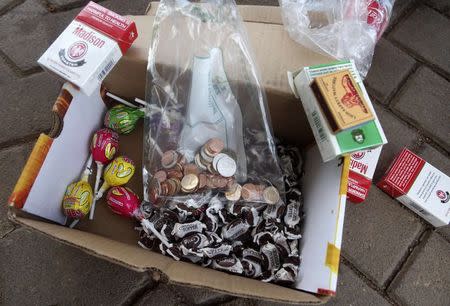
column 255, row 240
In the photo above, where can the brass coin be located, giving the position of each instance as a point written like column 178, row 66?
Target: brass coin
column 271, row 195
column 235, row 193
column 189, row 182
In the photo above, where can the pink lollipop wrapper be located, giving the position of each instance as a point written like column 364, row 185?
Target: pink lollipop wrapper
column 105, row 144
column 123, row 201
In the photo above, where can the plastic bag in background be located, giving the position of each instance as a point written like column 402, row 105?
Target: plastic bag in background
column 202, row 84
column 343, row 29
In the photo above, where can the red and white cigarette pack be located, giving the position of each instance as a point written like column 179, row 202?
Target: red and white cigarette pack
column 89, row 47
column 362, row 168
column 419, row 186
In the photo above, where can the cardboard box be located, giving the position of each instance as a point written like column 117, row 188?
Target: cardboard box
column 89, row 47
column 365, row 136
column 419, row 186
column 362, row 167
column 113, row 238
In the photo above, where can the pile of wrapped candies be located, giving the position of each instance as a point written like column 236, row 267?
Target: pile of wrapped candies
column 79, row 199
column 213, row 169
column 237, row 234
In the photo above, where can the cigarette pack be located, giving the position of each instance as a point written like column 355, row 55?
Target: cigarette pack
column 419, row 186
column 362, row 167
column 367, row 135
column 89, row 47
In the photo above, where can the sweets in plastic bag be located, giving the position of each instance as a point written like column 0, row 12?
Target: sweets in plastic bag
column 211, row 134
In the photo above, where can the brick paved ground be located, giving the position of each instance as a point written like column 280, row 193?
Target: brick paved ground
column 389, row 255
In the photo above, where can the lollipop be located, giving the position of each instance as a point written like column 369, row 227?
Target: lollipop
column 77, row 200
column 117, row 173
column 105, row 144
column 123, row 201
column 123, row 119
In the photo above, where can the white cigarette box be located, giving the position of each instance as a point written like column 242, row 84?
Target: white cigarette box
column 419, row 186
column 89, row 47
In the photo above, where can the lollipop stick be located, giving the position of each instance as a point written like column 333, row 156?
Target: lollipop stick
column 97, row 183
column 88, row 169
column 142, row 102
column 75, row 222
column 118, row 99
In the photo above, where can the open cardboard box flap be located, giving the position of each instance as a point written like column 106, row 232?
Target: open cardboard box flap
column 113, row 238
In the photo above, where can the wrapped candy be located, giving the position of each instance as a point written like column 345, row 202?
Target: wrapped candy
column 123, row 201
column 77, row 200
column 123, row 119
column 105, row 144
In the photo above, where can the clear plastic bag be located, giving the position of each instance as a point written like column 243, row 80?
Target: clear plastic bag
column 343, row 29
column 207, row 113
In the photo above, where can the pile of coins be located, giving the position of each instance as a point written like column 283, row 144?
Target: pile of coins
column 213, row 168
column 246, row 230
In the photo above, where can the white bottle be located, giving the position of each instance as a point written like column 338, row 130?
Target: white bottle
column 213, row 111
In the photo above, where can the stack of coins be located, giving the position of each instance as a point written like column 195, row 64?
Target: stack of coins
column 260, row 193
column 213, row 168
column 211, row 158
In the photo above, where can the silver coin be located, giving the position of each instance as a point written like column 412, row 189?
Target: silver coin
column 226, row 166
column 217, row 158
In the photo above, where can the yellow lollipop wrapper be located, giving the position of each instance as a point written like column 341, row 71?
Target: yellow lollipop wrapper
column 117, row 173
column 78, row 199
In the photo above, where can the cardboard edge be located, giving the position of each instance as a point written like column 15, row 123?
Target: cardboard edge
column 172, row 271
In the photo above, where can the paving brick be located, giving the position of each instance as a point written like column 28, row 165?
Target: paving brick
column 390, row 66
column 435, row 157
column 162, row 295
column 425, row 278
column 136, row 7
column 11, row 162
column 197, row 296
column 41, row 271
column 34, row 30
column 27, row 103
column 426, row 32
column 6, row 5
column 352, row 290
column 377, row 235
column 398, row 134
column 64, row 4
column 444, row 231
column 400, row 8
column 424, row 100
column 441, row 5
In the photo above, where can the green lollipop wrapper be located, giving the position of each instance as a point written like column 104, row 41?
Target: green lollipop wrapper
column 123, row 119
